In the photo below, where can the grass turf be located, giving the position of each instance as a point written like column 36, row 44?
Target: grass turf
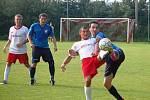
column 132, row 79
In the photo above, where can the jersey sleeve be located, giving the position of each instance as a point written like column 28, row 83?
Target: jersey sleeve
column 26, row 31
column 51, row 32
column 74, row 47
column 100, row 35
column 31, row 30
column 10, row 36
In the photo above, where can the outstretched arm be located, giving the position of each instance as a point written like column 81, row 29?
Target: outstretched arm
column 65, row 62
column 54, row 42
column 6, row 45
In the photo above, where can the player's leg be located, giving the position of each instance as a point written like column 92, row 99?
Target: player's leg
column 36, row 53
column 27, row 65
column 23, row 59
column 10, row 59
column 32, row 73
column 6, row 72
column 87, row 88
column 89, row 69
column 112, row 90
column 52, row 72
column 110, row 71
column 47, row 57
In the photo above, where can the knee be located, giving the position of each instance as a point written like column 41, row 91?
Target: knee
column 8, row 64
column 34, row 65
column 107, row 85
column 51, row 62
column 88, row 82
column 27, row 65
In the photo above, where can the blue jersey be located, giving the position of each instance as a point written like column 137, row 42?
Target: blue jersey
column 39, row 34
column 100, row 35
column 115, row 47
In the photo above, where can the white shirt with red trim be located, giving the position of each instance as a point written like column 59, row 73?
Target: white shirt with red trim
column 17, row 36
column 85, row 48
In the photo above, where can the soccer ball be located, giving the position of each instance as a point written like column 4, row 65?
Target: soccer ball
column 105, row 44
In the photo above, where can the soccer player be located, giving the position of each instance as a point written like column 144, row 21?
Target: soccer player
column 93, row 28
column 90, row 63
column 38, row 40
column 113, row 59
column 95, row 33
column 17, row 46
column 111, row 64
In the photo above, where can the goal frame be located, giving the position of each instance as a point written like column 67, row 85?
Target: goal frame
column 128, row 20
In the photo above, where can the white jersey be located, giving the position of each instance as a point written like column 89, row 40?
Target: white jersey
column 17, row 36
column 85, row 48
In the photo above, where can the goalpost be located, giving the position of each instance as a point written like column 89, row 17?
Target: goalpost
column 117, row 29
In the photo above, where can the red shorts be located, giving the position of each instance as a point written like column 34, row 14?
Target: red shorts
column 23, row 58
column 90, row 65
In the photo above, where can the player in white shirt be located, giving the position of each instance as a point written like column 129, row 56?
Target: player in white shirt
column 90, row 63
column 17, row 46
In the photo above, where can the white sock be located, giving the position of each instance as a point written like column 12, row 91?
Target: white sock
column 6, row 72
column 88, row 92
column 29, row 70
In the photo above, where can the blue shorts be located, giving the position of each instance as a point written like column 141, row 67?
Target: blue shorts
column 46, row 54
column 112, row 66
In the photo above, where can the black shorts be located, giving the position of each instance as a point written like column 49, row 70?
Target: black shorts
column 46, row 54
column 112, row 66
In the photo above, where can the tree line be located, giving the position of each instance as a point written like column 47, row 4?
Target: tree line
column 56, row 9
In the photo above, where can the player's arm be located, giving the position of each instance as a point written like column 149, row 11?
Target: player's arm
column 19, row 45
column 65, row 62
column 6, row 45
column 54, row 42
column 30, row 41
column 71, row 54
column 96, row 48
column 30, row 35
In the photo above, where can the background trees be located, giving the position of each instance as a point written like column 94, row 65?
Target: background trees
column 56, row 9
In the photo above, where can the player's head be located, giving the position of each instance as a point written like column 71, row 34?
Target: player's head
column 18, row 19
column 84, row 33
column 43, row 18
column 93, row 28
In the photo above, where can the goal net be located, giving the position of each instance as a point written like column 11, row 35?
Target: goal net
column 117, row 29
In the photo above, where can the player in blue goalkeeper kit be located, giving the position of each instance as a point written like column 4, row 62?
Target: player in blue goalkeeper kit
column 113, row 61
column 38, row 39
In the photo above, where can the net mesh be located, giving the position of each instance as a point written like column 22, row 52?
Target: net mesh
column 115, row 29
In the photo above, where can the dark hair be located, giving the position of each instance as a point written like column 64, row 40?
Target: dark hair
column 93, row 22
column 43, row 14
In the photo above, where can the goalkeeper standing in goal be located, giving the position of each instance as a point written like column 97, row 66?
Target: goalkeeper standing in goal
column 113, row 61
column 38, row 40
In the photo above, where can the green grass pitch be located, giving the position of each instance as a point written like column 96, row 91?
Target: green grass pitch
column 132, row 79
